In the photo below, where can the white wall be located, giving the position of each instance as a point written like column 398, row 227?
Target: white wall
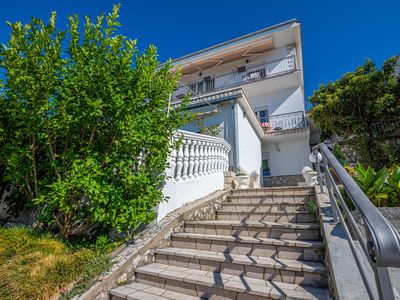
column 186, row 191
column 280, row 102
column 248, row 145
column 291, row 158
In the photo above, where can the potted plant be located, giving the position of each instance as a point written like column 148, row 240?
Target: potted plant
column 266, row 126
column 243, row 179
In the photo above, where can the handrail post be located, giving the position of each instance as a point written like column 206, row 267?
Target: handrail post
column 318, row 167
column 329, row 185
column 384, row 284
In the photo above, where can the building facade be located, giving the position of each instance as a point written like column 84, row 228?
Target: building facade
column 250, row 91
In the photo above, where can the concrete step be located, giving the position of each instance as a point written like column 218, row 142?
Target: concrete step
column 245, row 207
column 277, row 216
column 256, row 246
column 290, row 191
column 269, row 199
column 140, row 291
column 282, row 270
column 215, row 285
column 293, row 231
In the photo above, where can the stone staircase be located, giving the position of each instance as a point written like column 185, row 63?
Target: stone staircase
column 264, row 244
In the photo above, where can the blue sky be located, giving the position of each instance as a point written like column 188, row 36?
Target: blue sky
column 337, row 35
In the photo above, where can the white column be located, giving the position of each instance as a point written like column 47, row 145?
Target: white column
column 219, row 157
column 172, row 163
column 213, row 157
column 185, row 159
column 206, row 158
column 201, row 158
column 196, row 158
column 191, row 158
column 179, row 163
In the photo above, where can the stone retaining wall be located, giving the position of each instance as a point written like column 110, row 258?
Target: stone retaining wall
column 141, row 252
column 286, row 180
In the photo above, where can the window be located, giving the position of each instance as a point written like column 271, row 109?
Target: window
column 266, row 171
column 263, row 115
column 209, row 83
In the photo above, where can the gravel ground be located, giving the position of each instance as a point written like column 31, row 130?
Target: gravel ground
column 392, row 214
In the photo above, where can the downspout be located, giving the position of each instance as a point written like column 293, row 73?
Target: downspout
column 235, row 138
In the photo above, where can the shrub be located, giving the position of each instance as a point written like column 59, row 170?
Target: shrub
column 86, row 129
column 337, row 151
column 380, row 186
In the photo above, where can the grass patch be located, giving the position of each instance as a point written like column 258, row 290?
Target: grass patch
column 312, row 208
column 40, row 266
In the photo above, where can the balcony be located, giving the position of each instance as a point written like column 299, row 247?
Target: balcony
column 243, row 75
column 285, row 123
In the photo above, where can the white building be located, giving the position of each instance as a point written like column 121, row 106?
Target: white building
column 252, row 88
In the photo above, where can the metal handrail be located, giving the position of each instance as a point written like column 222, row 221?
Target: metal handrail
column 288, row 121
column 380, row 245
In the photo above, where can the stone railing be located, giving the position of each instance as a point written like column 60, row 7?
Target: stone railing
column 196, row 169
column 198, row 155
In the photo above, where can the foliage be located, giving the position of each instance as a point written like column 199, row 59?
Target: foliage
column 85, row 132
column 380, row 186
column 351, row 106
column 393, row 181
column 312, row 208
column 351, row 170
column 337, row 151
column 39, row 266
column 212, row 130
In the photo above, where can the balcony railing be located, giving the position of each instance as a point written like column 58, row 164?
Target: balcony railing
column 242, row 75
column 283, row 122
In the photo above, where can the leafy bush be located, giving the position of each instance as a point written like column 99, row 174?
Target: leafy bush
column 381, row 186
column 351, row 106
column 85, row 133
column 337, row 151
column 393, row 182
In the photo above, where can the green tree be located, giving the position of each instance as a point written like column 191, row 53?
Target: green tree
column 85, row 128
column 353, row 104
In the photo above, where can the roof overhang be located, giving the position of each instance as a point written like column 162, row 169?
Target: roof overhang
column 212, row 60
column 236, row 94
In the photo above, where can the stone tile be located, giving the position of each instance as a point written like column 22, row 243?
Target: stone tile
column 254, row 272
column 143, row 295
column 179, row 261
column 162, row 258
column 203, row 245
column 289, row 252
column 181, row 287
column 239, row 248
column 122, row 291
column 218, row 246
column 288, row 276
column 283, row 233
column 154, row 290
column 177, row 296
column 210, row 266
column 264, row 250
column 233, row 269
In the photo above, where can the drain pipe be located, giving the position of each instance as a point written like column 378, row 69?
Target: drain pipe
column 235, row 152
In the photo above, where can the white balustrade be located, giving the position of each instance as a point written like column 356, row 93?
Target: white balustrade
column 198, row 155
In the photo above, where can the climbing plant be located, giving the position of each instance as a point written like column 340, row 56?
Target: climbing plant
column 85, row 125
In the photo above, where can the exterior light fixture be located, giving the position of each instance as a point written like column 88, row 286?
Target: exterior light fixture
column 314, row 159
